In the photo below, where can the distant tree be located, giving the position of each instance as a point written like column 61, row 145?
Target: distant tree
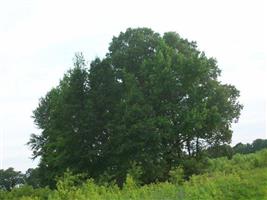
column 153, row 101
column 242, row 148
column 220, row 151
column 256, row 145
column 259, row 144
column 10, row 178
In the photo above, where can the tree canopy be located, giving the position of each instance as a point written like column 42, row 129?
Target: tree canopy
column 256, row 145
column 10, row 178
column 151, row 102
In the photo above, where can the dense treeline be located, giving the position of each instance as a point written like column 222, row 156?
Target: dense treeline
column 250, row 148
column 227, row 150
column 152, row 103
column 242, row 177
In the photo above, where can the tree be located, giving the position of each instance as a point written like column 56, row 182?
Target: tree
column 242, row 148
column 32, row 177
column 62, row 115
column 256, row 145
column 220, row 151
column 10, row 178
column 153, row 101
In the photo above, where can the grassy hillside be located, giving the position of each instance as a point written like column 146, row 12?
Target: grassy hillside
column 243, row 177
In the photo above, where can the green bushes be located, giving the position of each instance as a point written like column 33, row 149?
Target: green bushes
column 25, row 193
column 89, row 190
column 242, row 178
column 238, row 162
column 177, row 176
column 246, row 184
column 219, row 186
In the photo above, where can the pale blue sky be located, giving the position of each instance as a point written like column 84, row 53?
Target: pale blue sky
column 38, row 39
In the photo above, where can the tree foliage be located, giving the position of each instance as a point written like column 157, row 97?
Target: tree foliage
column 153, row 100
column 256, row 145
column 10, row 178
column 32, row 177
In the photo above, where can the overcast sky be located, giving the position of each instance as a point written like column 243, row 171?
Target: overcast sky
column 38, row 39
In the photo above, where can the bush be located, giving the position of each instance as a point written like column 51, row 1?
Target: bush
column 177, row 176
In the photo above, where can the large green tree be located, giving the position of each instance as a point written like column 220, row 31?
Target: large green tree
column 152, row 102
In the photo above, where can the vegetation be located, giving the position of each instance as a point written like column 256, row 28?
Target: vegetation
column 150, row 120
column 226, row 150
column 250, row 148
column 10, row 178
column 242, row 177
column 154, row 102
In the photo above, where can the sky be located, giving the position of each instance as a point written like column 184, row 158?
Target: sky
column 38, row 40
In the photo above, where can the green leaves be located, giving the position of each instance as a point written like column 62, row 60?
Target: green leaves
column 152, row 100
column 10, row 178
